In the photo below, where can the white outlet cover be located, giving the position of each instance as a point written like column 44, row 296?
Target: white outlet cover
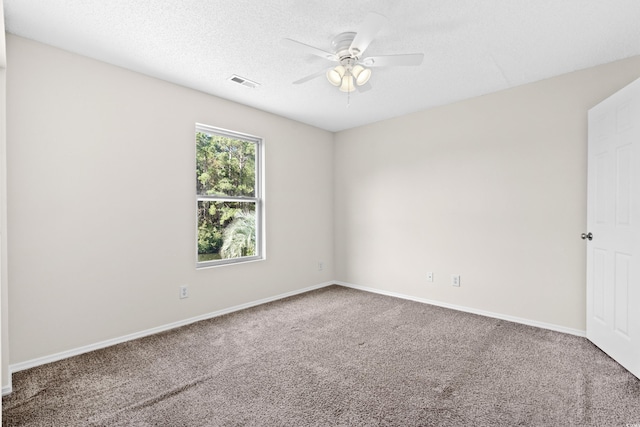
column 184, row 292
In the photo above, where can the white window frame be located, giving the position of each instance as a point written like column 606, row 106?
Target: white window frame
column 258, row 198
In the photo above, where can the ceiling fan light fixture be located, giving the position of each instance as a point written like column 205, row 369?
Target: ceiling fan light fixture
column 347, row 84
column 361, row 74
column 346, row 78
column 335, row 75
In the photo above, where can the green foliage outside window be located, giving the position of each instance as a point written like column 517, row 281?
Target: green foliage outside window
column 225, row 167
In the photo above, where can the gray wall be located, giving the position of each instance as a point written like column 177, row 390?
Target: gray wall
column 492, row 188
column 4, row 300
column 101, row 192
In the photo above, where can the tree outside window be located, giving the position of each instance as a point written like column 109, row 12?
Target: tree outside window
column 228, row 197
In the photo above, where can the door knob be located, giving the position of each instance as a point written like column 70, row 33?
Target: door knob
column 587, row 236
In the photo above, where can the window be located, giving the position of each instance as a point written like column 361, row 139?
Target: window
column 228, row 197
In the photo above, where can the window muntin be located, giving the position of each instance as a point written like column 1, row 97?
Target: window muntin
column 228, row 197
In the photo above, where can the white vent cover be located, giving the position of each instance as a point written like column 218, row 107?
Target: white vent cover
column 244, row 82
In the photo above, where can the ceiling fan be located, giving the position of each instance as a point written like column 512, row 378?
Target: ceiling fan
column 353, row 71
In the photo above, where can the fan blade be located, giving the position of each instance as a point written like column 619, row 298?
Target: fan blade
column 373, row 22
column 311, row 76
column 309, row 49
column 409, row 59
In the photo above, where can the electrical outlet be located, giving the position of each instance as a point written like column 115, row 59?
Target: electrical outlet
column 320, row 265
column 184, row 291
column 430, row 276
column 455, row 279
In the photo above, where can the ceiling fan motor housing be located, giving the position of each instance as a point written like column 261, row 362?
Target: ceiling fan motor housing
column 341, row 45
column 348, row 72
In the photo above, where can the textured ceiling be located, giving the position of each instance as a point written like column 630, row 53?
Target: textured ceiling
column 471, row 47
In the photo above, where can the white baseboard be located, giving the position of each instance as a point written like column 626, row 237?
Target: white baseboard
column 514, row 319
column 7, row 389
column 103, row 344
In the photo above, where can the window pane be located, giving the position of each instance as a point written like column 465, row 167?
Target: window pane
column 226, row 230
column 225, row 166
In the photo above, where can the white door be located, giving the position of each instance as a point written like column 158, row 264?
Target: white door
column 613, row 219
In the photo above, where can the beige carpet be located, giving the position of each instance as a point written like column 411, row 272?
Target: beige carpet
column 335, row 356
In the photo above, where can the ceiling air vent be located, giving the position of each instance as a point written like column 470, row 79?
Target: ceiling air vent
column 244, row 82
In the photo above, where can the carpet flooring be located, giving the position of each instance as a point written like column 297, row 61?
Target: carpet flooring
column 334, row 357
